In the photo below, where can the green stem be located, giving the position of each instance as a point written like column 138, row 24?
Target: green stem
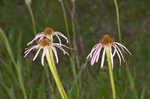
column 117, row 18
column 48, row 79
column 73, row 12
column 76, row 85
column 72, row 59
column 65, row 20
column 111, row 72
column 32, row 17
column 52, row 67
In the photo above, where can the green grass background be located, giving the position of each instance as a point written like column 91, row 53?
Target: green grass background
column 93, row 19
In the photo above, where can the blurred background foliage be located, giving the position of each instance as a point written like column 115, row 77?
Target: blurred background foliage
column 93, row 18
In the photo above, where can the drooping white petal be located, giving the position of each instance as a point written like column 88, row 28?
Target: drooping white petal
column 123, row 47
column 114, row 52
column 35, row 38
column 103, row 58
column 43, row 55
column 61, row 48
column 55, row 53
column 98, row 53
column 94, row 55
column 93, row 49
column 36, row 54
column 62, row 35
column 58, row 39
column 61, row 45
column 119, row 51
column 118, row 54
column 29, row 50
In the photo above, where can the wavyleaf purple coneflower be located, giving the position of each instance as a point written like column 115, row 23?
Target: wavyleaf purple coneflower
column 107, row 42
column 45, row 44
column 49, row 33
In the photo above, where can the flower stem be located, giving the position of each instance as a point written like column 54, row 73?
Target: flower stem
column 32, row 17
column 65, row 20
column 48, row 79
column 111, row 72
column 117, row 18
column 52, row 67
column 72, row 58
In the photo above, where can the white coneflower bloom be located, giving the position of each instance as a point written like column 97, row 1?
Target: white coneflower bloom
column 106, row 42
column 45, row 44
column 48, row 33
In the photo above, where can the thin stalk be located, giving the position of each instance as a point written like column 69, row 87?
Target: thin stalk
column 72, row 59
column 111, row 73
column 32, row 18
column 131, row 81
column 52, row 67
column 68, row 35
column 76, row 85
column 47, row 76
column 65, row 20
column 73, row 12
column 18, row 69
column 117, row 19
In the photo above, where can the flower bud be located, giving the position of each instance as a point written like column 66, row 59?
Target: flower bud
column 60, row 0
column 28, row 2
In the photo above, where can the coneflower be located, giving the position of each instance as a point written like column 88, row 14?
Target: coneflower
column 49, row 33
column 45, row 44
column 110, row 48
column 107, row 42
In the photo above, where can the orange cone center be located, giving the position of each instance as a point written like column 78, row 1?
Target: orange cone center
column 45, row 42
column 48, row 31
column 106, row 40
